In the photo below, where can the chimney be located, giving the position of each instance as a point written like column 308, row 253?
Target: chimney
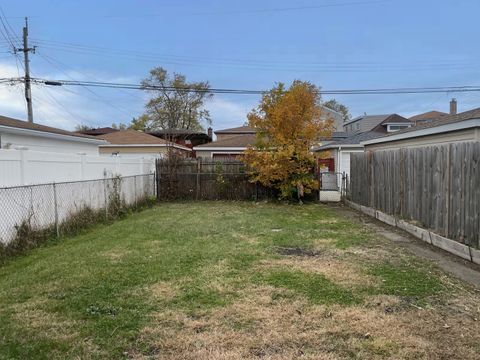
column 210, row 132
column 453, row 107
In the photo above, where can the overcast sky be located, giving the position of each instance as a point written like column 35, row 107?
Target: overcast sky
column 341, row 44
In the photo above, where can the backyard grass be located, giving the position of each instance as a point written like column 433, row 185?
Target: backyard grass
column 218, row 280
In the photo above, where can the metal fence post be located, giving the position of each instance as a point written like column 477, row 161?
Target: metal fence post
column 135, row 190
column 55, row 202
column 199, row 169
column 105, row 197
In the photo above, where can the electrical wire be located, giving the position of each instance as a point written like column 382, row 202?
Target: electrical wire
column 276, row 65
column 98, row 97
column 378, row 91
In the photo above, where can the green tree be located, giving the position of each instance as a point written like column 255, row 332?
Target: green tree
column 175, row 103
column 141, row 123
column 119, row 126
column 82, row 127
column 338, row 107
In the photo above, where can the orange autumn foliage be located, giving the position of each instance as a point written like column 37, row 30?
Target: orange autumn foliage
column 289, row 122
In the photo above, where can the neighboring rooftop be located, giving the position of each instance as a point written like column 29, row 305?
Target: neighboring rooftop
column 176, row 132
column 132, row 137
column 355, row 139
column 237, row 141
column 428, row 116
column 467, row 119
column 97, row 131
column 237, row 130
column 379, row 119
column 25, row 125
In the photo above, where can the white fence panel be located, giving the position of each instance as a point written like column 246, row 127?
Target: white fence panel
column 26, row 167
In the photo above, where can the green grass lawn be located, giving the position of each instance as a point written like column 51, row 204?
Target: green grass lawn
column 218, row 280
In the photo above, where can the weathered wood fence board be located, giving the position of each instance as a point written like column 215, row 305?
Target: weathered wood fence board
column 438, row 187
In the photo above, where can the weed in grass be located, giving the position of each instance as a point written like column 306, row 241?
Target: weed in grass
column 315, row 287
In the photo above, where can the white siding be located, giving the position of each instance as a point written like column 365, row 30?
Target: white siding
column 39, row 143
column 343, row 164
column 26, row 167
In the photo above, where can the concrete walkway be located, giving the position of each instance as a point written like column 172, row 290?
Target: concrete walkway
column 452, row 264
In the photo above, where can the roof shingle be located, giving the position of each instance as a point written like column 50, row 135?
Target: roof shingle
column 132, row 137
column 19, row 124
column 236, row 141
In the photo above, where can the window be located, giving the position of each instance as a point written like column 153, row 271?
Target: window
column 392, row 128
column 358, row 126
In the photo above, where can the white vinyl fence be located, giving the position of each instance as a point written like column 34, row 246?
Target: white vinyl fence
column 27, row 167
column 49, row 205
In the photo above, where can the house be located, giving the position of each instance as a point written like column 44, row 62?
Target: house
column 15, row 134
column 431, row 116
column 336, row 117
column 447, row 129
column 188, row 138
column 335, row 154
column 426, row 117
column 230, row 143
column 339, row 151
column 378, row 123
column 132, row 143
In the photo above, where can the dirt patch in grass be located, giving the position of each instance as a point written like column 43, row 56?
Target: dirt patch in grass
column 296, row 251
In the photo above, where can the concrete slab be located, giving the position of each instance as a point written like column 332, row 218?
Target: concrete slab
column 453, row 264
column 330, row 196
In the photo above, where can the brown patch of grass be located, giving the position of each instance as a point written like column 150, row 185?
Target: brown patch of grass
column 115, row 255
column 246, row 238
column 47, row 324
column 414, row 333
column 162, row 291
column 342, row 272
column 254, row 327
column 322, row 242
column 327, row 221
column 263, row 325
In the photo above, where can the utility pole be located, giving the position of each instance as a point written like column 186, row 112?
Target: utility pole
column 28, row 90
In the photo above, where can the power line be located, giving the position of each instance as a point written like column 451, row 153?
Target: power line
column 333, row 4
column 98, row 97
column 378, row 91
column 276, row 65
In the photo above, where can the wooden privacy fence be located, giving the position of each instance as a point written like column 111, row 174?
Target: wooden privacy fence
column 437, row 186
column 199, row 179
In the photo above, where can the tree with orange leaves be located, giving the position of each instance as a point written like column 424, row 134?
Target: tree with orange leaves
column 288, row 122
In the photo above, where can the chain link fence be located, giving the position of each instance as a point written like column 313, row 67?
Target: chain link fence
column 30, row 213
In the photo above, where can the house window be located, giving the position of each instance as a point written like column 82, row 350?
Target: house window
column 358, row 126
column 392, row 128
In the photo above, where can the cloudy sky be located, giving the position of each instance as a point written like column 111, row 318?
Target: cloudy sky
column 336, row 44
